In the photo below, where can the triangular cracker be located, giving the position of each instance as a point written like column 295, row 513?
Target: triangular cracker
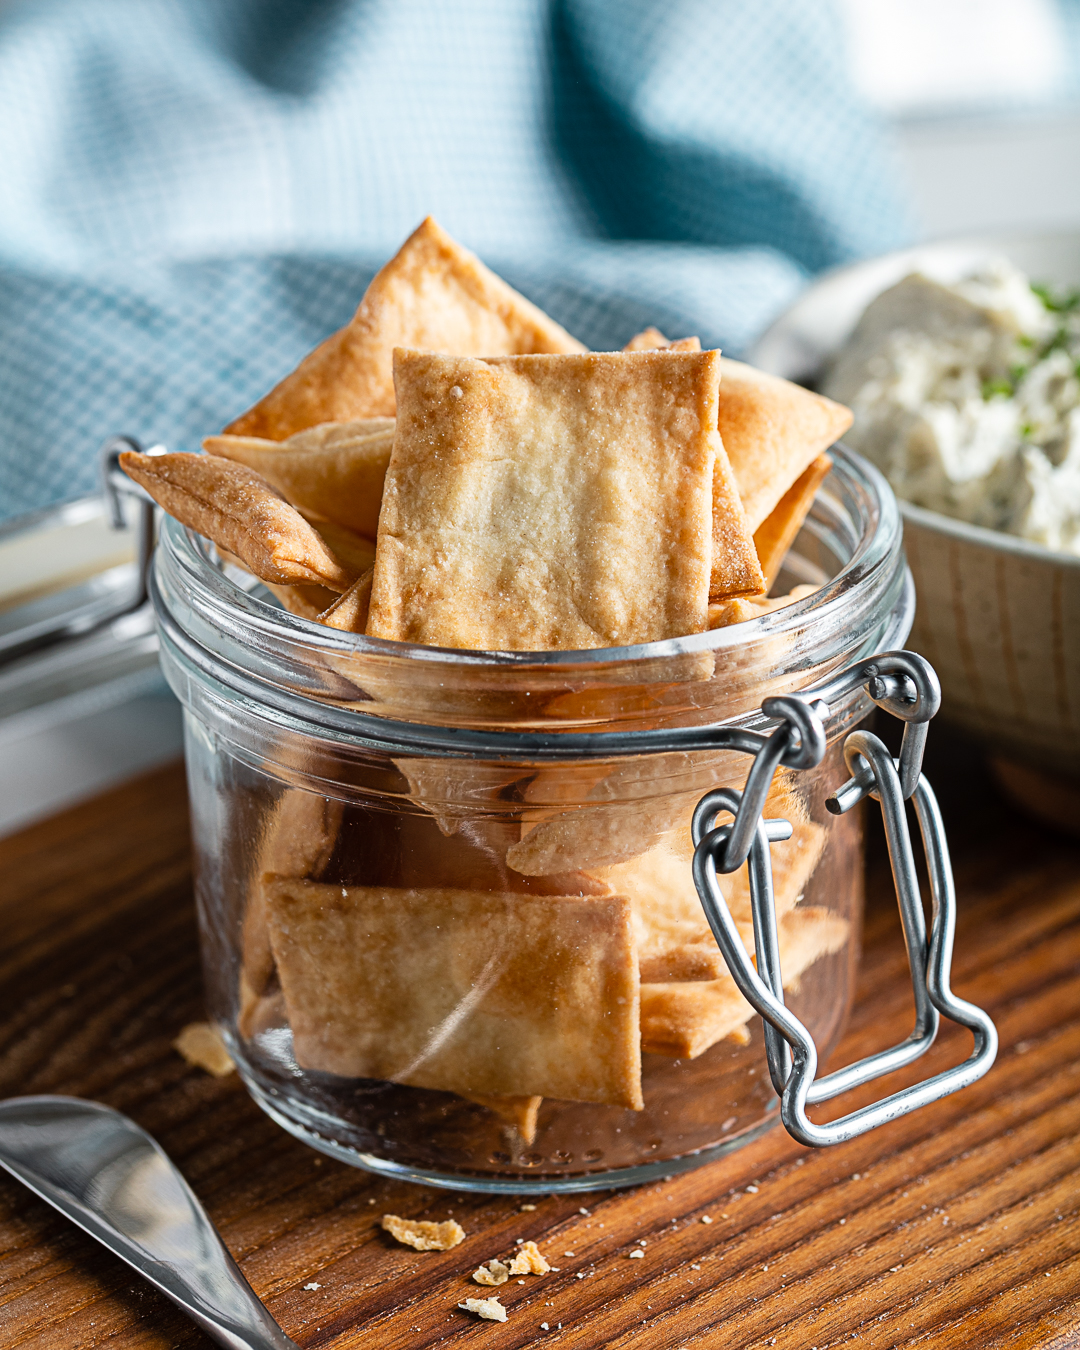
column 776, row 534
column 772, row 430
column 684, row 1020
column 548, row 502
column 236, row 508
column 349, row 612
column 473, row 992
column 334, row 471
column 433, row 295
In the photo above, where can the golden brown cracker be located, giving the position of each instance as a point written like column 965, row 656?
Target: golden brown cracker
column 433, row 295
column 674, row 939
column 652, row 340
column 422, row 1234
column 463, row 991
column 297, row 840
column 772, row 430
column 334, row 471
column 684, row 1020
column 456, row 789
column 519, row 1113
column 547, row 502
column 349, row 611
column 230, row 504
column 727, row 612
column 776, row 534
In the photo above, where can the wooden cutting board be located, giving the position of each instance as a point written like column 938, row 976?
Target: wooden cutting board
column 957, row 1226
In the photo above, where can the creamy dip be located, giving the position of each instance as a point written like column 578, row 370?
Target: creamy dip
column 967, row 397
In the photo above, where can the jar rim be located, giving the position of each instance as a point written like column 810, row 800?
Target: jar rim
column 251, row 645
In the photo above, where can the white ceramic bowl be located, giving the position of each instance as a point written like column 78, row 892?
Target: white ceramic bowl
column 997, row 616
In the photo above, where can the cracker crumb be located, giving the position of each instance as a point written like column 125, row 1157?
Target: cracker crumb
column 544, row 1326
column 312, row 1285
column 636, row 1254
column 491, row 1273
column 705, row 1219
column 529, row 1261
column 488, row 1308
column 201, row 1045
column 751, row 1190
column 424, row 1236
column 527, row 1209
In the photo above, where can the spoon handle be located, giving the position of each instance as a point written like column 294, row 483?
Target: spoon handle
column 108, row 1176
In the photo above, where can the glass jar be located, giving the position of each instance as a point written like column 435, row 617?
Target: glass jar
column 448, row 923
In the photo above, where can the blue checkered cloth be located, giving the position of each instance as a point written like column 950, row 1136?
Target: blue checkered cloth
column 195, row 192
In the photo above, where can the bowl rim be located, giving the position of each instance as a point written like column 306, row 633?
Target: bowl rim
column 981, row 535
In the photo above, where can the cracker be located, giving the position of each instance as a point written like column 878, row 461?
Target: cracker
column 349, row 611
column 455, row 790
column 520, row 1113
column 652, row 340
column 736, row 569
column 201, row 1044
column 616, row 813
column 776, row 534
column 772, row 430
column 684, row 1020
column 355, row 550
column 491, row 1273
column 674, row 939
column 551, row 502
column 422, row 1234
column 298, row 840
column 727, row 612
column 306, row 602
column 488, row 1308
column 335, row 470
column 463, row 991
column 230, row 504
column 433, row 295
column 529, row 1260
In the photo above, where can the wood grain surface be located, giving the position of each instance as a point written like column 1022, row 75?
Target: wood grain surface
column 957, row 1226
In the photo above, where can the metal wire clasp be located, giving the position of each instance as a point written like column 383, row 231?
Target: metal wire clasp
column 905, row 685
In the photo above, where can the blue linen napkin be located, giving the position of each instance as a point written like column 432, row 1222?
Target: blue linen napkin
column 195, row 192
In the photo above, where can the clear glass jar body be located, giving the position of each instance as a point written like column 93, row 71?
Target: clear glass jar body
column 439, row 943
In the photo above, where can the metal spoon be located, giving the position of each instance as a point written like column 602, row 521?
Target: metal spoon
column 107, row 1175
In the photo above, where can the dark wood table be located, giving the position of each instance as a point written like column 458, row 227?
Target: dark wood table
column 957, row 1226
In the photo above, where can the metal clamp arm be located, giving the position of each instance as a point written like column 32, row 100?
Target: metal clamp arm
column 790, row 1049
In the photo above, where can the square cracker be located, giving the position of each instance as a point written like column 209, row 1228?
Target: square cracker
column 334, row 471
column 684, row 1020
column 772, row 431
column 433, row 295
column 475, row 992
column 536, row 503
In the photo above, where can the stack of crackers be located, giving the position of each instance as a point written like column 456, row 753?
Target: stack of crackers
column 452, row 468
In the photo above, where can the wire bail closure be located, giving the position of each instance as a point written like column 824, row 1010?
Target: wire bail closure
column 905, row 685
